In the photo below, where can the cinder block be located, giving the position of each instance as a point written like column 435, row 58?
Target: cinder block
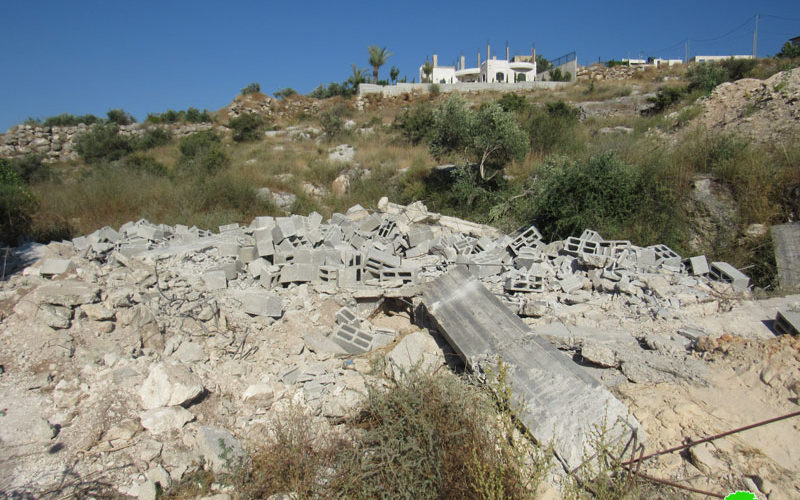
column 284, row 228
column 589, row 235
column 264, row 223
column 699, row 265
column 262, row 304
column 370, row 224
column 215, row 280
column 417, row 235
column 228, row 249
column 329, row 274
column 248, row 254
column 530, row 238
column 406, row 275
column 345, row 316
column 108, row 234
column 524, row 284
column 349, row 277
column 723, row 271
column 149, row 232
column 257, row 267
column 571, row 283
column 228, row 228
column 265, row 248
column 352, row 339
column 299, row 273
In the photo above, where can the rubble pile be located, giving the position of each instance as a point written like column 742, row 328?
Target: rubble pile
column 141, row 353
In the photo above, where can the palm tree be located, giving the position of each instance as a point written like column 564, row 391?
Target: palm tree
column 359, row 76
column 377, row 58
column 394, row 73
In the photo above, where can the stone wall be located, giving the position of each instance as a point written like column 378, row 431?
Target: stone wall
column 409, row 88
column 58, row 143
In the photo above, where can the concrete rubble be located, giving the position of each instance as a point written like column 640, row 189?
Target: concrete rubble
column 141, row 348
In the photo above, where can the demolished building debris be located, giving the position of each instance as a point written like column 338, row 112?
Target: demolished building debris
column 241, row 323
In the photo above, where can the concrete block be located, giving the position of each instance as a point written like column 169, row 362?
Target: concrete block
column 571, row 283
column 722, row 271
column 387, row 229
column 51, row 267
column 665, row 255
column 349, row 277
column 329, row 274
column 787, row 322
column 265, row 247
column 645, row 257
column 262, row 304
column 215, row 280
column 228, row 249
column 406, row 276
column 353, row 340
column 149, row 232
column 81, row 243
column 345, row 316
column 108, row 234
column 524, row 284
column 370, row 224
column 264, row 223
column 299, row 273
column 589, row 235
column 699, row 265
column 226, row 228
column 248, row 254
column 257, row 267
column 786, row 240
column 284, row 228
column 525, row 238
column 418, row 235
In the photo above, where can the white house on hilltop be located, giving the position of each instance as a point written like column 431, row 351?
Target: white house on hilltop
column 492, row 70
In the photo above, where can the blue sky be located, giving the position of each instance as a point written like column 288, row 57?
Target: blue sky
column 89, row 56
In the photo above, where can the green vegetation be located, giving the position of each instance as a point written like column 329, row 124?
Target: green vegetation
column 789, row 51
column 66, row 120
column 247, row 127
column 552, row 127
column 202, row 152
column 557, row 75
column 17, row 205
column 103, row 143
column 284, row 93
column 427, row 71
column 542, row 64
column 377, row 58
column 191, row 115
column 120, row 117
column 252, row 88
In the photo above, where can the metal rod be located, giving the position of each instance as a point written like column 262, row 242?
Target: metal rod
column 714, row 437
column 680, row 486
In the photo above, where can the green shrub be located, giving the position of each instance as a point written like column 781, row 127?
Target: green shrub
column 17, row 205
column 706, row 76
column 542, row 64
column 140, row 162
column 120, row 117
column 665, row 97
column 332, row 120
column 557, row 75
column 738, row 68
column 247, row 127
column 789, row 51
column 601, row 193
column 284, row 93
column 435, row 89
column 191, row 115
column 251, row 89
column 152, row 138
column 333, row 89
column 103, row 142
column 68, row 120
column 552, row 128
column 452, row 127
column 30, row 168
column 513, row 102
column 416, row 123
column 202, row 152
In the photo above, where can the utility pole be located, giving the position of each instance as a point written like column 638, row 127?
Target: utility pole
column 755, row 38
column 686, row 50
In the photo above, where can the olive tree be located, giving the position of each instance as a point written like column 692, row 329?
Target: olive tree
column 489, row 137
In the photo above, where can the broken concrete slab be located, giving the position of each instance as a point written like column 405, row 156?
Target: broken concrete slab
column 52, row 267
column 787, row 322
column 560, row 402
column 786, row 239
column 258, row 303
column 68, row 293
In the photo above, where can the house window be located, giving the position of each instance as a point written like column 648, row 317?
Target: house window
column 520, row 77
column 499, row 76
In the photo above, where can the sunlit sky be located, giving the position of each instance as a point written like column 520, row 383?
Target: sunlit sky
column 146, row 56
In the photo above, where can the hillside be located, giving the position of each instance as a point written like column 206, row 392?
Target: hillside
column 277, row 300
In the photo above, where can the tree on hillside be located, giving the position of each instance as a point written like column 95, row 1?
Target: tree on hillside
column 377, row 58
column 359, row 76
column 542, row 64
column 427, row 70
column 394, row 73
column 789, row 51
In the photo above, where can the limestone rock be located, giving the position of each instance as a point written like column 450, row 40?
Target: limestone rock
column 415, row 351
column 170, row 385
column 160, row 420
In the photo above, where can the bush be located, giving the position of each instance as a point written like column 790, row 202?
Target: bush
column 285, row 92
column 557, row 75
column 738, row 68
column 601, row 193
column 120, row 117
column 513, row 102
column 17, row 206
column 435, row 89
column 552, row 128
column 202, row 152
column 68, row 120
column 706, row 76
column 247, row 127
column 416, row 123
column 140, row 162
column 665, row 97
column 251, row 89
column 332, row 121
column 789, row 51
column 152, row 138
column 191, row 115
column 30, row 168
column 103, row 143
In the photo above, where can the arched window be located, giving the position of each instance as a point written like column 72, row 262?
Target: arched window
column 520, row 77
column 499, row 76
